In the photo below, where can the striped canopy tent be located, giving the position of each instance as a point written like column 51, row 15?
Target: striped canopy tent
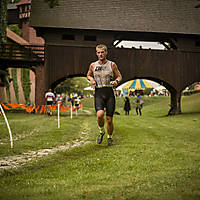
column 137, row 84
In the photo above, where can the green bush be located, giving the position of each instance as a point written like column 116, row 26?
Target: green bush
column 8, row 92
column 190, row 92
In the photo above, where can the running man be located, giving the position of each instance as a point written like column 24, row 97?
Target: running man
column 101, row 75
column 50, row 97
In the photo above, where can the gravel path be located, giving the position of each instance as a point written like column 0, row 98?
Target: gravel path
column 20, row 160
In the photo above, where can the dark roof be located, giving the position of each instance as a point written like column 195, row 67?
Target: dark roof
column 163, row 16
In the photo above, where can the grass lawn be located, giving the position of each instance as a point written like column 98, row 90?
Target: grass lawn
column 154, row 156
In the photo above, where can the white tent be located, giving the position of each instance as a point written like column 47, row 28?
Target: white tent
column 160, row 88
column 119, row 88
column 152, row 83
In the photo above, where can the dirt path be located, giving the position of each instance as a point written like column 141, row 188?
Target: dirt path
column 20, row 160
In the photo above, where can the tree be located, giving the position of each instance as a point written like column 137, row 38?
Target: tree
column 53, row 3
column 3, row 34
column 3, row 38
column 198, row 5
column 70, row 85
column 3, row 21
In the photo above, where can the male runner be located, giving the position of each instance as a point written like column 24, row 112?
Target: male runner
column 101, row 75
column 50, row 97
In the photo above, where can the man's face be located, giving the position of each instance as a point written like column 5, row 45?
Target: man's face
column 101, row 53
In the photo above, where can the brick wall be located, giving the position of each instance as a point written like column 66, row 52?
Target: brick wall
column 29, row 34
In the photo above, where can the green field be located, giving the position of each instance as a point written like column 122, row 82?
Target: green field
column 154, row 156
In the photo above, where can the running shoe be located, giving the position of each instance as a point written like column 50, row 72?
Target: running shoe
column 100, row 137
column 110, row 141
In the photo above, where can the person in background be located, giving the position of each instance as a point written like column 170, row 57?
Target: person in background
column 72, row 99
column 49, row 97
column 139, row 105
column 59, row 99
column 77, row 102
column 103, row 76
column 127, row 106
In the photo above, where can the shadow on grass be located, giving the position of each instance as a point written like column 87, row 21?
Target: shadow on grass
column 194, row 113
column 191, row 113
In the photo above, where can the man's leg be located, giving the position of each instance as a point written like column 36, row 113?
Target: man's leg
column 140, row 111
column 136, row 110
column 110, row 110
column 100, row 122
column 51, row 110
column 48, row 109
column 110, row 128
column 100, row 118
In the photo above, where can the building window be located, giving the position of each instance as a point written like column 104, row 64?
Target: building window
column 68, row 37
column 197, row 43
column 90, row 38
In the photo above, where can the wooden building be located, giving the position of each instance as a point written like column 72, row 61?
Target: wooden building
column 73, row 29
column 20, row 14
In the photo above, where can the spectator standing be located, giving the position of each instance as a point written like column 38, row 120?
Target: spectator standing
column 59, row 99
column 127, row 106
column 139, row 105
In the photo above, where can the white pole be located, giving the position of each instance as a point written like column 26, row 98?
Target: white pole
column 11, row 139
column 58, row 114
column 71, row 111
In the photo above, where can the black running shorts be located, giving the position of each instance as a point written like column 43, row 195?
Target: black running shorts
column 105, row 99
column 49, row 102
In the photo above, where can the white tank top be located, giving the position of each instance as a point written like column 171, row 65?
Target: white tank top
column 49, row 96
column 103, row 74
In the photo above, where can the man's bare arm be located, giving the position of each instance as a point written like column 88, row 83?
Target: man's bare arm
column 118, row 76
column 90, row 75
